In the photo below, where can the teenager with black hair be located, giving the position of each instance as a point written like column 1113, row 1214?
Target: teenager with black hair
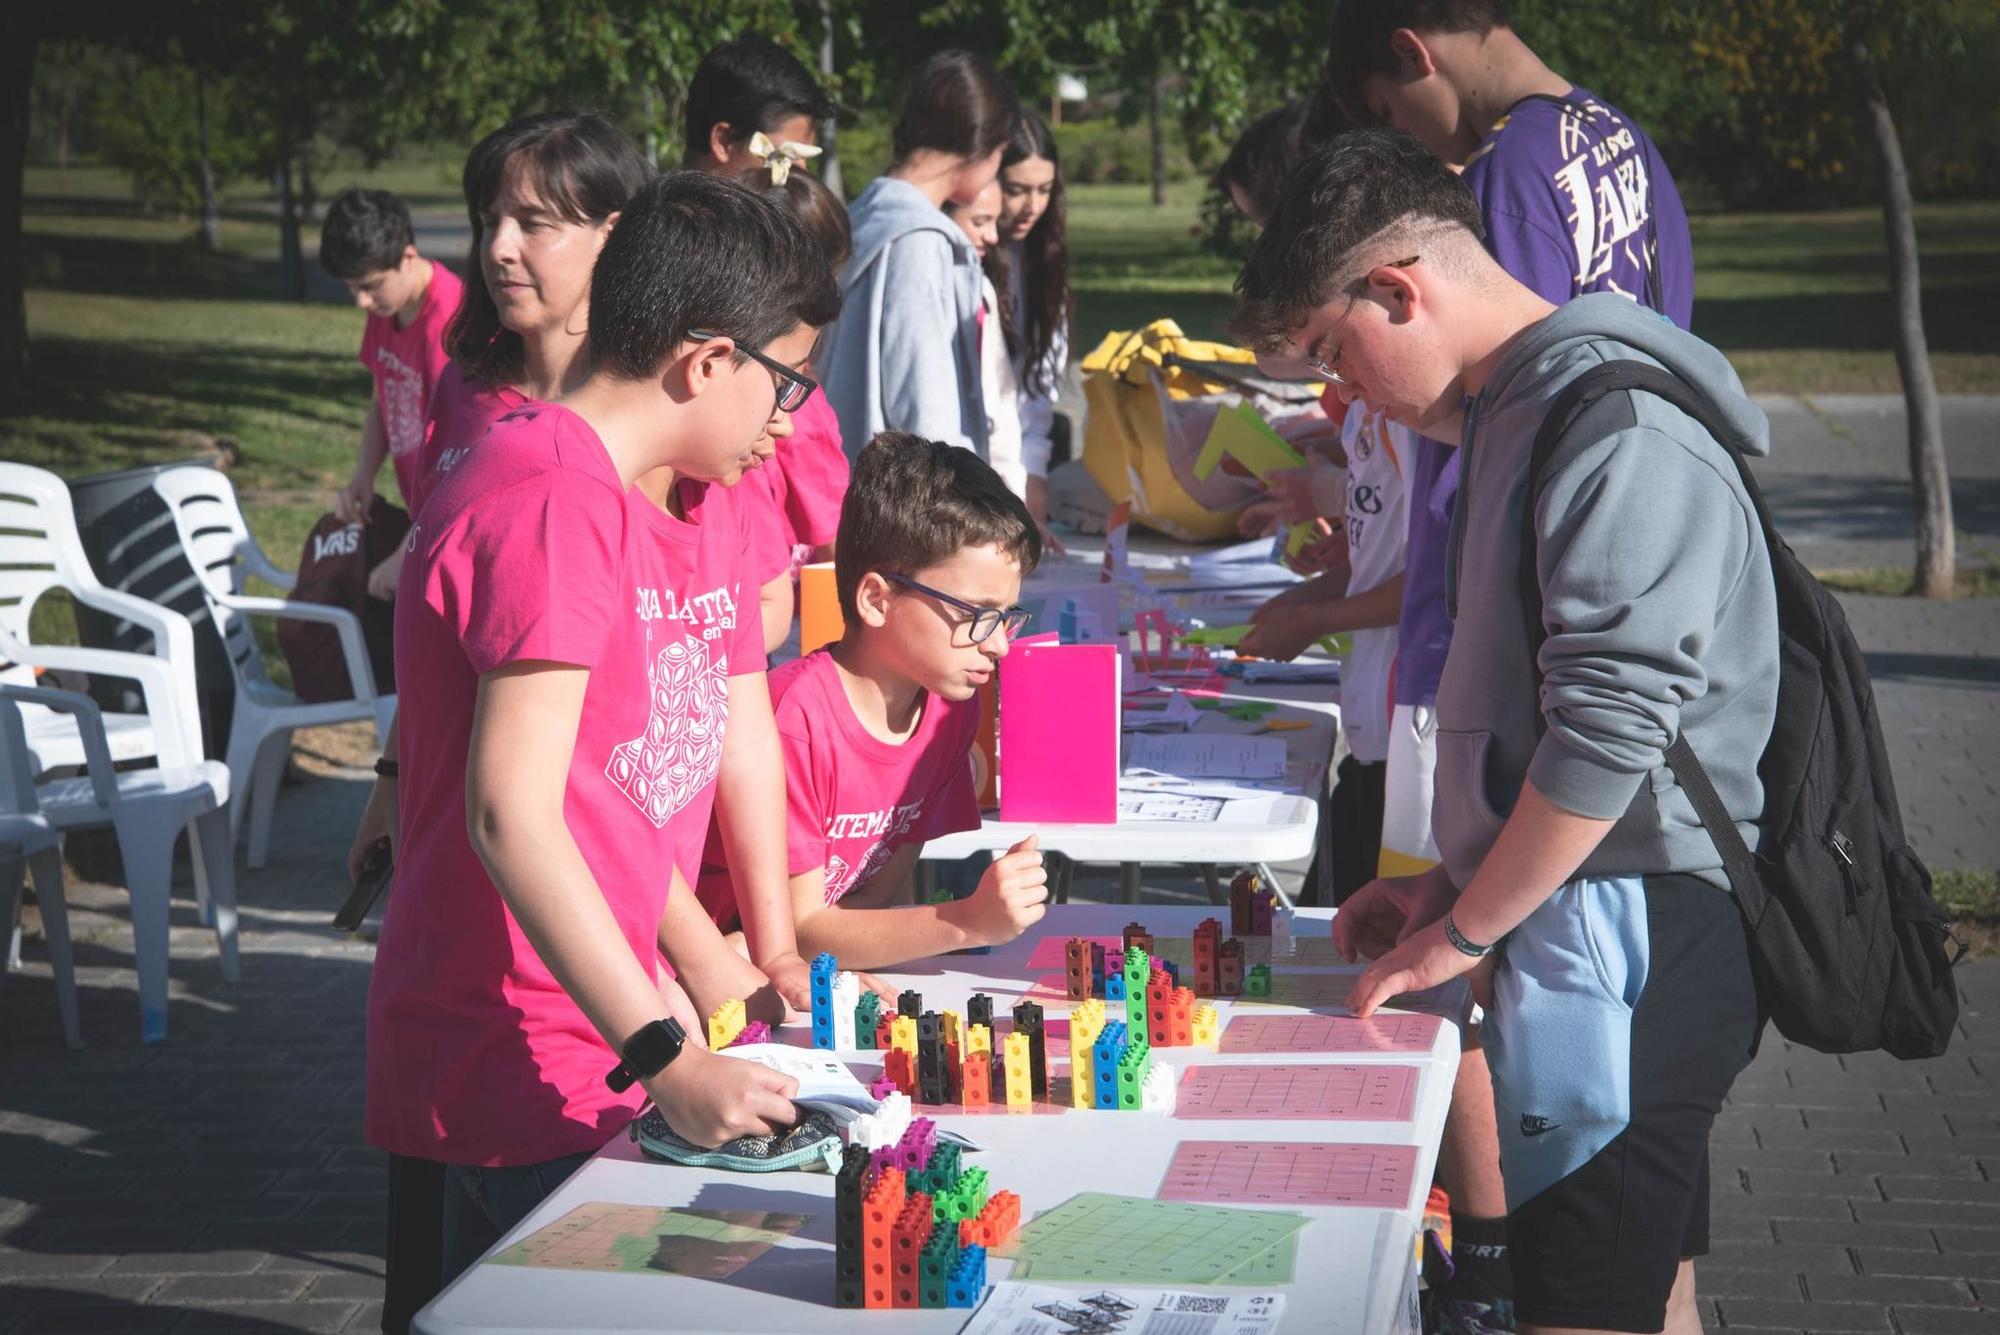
column 748, row 98
column 1031, row 267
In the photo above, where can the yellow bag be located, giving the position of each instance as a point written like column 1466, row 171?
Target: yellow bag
column 1153, row 396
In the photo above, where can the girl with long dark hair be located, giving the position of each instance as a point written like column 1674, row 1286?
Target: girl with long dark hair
column 1031, row 266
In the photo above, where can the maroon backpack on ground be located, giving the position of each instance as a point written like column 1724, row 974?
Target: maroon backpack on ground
column 333, row 569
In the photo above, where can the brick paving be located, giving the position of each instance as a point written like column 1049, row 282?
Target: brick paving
column 219, row 1182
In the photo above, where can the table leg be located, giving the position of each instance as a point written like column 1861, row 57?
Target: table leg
column 1128, row 882
column 1212, row 881
column 1065, row 868
column 1271, row 880
column 926, row 881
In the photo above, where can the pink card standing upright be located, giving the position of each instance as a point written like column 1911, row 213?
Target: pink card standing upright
column 1059, row 732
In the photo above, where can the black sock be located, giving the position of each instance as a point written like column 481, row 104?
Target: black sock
column 1479, row 1249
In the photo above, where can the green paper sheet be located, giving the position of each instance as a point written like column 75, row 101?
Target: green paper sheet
column 1097, row 1238
column 1241, row 432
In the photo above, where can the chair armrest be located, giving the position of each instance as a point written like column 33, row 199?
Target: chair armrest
column 167, row 684
column 173, row 635
column 353, row 645
column 257, row 562
column 89, row 726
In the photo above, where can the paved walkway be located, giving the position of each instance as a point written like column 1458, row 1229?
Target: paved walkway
column 219, row 1183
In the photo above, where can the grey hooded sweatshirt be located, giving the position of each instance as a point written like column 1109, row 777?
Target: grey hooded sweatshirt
column 904, row 355
column 1658, row 603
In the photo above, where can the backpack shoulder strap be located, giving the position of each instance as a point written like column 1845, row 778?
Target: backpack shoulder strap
column 1580, row 393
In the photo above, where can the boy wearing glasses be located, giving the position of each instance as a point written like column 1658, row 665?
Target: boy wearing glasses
column 877, row 729
column 1622, row 603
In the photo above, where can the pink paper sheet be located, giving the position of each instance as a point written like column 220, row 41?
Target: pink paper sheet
column 1279, row 1172
column 1299, row 1093
column 1330, row 1033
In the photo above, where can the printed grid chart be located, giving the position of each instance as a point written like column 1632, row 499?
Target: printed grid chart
column 1380, row 1032
column 1095, row 1237
column 1299, row 1093
column 1272, row 1172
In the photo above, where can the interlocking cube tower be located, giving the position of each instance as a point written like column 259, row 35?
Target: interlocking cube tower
column 910, row 1004
column 912, row 1225
column 1207, row 943
column 1083, row 968
column 723, row 1026
column 1028, row 1019
column 867, row 1014
column 979, row 1010
column 1251, row 905
column 1229, row 969
column 1137, row 935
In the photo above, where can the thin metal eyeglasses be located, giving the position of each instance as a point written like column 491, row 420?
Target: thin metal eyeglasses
column 1323, row 367
column 793, row 387
column 984, row 620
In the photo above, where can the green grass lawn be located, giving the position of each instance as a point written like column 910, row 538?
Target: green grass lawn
column 146, row 350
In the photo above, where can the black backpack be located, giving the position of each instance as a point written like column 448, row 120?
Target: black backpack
column 1848, row 946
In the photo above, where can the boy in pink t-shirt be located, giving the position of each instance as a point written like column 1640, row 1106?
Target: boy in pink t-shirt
column 574, row 618
column 368, row 243
column 877, row 729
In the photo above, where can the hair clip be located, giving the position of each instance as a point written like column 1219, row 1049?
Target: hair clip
column 781, row 158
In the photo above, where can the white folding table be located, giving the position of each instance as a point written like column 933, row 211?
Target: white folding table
column 1356, row 1267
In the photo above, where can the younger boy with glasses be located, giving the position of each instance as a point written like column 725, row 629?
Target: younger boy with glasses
column 877, row 729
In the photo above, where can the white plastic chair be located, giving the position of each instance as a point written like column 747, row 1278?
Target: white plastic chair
column 40, row 550
column 29, row 842
column 219, row 546
column 147, row 809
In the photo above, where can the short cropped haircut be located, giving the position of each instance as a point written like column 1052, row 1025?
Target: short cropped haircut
column 806, row 198
column 366, row 231
column 1365, row 185
column 749, row 83
column 956, row 103
column 694, row 251
column 1359, row 47
column 913, row 503
column 583, row 168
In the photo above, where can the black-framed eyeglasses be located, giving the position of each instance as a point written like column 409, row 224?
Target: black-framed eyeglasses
column 794, row 387
column 1326, row 367
column 983, row 620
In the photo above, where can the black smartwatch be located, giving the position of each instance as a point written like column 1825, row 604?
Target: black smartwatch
column 646, row 1054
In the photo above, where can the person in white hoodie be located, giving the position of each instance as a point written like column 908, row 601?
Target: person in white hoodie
column 998, row 388
column 905, row 354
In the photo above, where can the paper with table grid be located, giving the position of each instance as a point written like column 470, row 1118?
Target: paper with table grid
column 641, row 1239
column 1380, row 1032
column 1276, row 1172
column 1332, row 1093
column 1098, row 1238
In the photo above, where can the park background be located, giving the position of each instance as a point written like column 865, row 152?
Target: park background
column 168, row 169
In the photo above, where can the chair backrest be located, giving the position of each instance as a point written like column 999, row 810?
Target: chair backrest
column 39, row 550
column 216, row 542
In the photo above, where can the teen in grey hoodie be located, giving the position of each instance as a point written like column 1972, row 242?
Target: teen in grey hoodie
column 1623, row 1005
column 905, row 354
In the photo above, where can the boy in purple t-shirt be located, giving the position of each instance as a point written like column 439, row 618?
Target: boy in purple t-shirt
column 1574, row 198
column 878, row 729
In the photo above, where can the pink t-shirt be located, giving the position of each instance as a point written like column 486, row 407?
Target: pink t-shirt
column 462, row 408
column 761, row 496
column 532, row 550
column 407, row 364
column 852, row 799
column 813, row 472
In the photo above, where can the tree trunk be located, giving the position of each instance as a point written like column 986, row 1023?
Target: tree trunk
column 211, row 218
column 649, row 112
column 308, row 196
column 18, row 37
column 1156, row 128
column 829, row 130
column 1936, row 542
column 291, row 255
